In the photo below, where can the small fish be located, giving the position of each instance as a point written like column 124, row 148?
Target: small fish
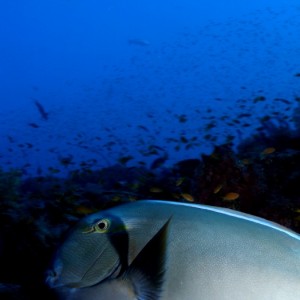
column 245, row 161
column 53, row 170
column 158, row 162
column 33, row 125
column 244, row 115
column 116, row 198
column 155, row 190
column 41, row 109
column 29, row 145
column 176, row 196
column 268, row 150
column 181, row 118
column 231, row 196
column 229, row 138
column 183, row 139
column 125, row 159
column 10, row 139
column 188, row 197
column 179, row 181
column 143, row 127
column 210, row 125
column 283, row 101
column 207, row 136
column 265, row 119
column 218, row 188
column 66, row 161
column 84, row 210
column 259, row 99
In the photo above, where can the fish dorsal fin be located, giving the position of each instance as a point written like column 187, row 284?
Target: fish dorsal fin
column 146, row 273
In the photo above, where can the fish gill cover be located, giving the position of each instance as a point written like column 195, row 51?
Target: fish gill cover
column 111, row 102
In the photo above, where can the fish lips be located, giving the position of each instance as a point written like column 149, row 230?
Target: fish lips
column 53, row 276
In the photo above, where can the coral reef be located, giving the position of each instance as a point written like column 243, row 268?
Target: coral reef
column 261, row 177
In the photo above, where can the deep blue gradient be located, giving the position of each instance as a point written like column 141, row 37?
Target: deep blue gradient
column 117, row 77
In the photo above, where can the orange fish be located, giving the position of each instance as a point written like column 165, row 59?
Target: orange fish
column 83, row 210
column 156, row 190
column 180, row 181
column 187, row 197
column 116, row 198
column 231, row 196
column 246, row 161
column 176, row 196
column 217, row 188
column 268, row 150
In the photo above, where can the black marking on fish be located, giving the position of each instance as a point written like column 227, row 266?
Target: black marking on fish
column 147, row 271
column 120, row 241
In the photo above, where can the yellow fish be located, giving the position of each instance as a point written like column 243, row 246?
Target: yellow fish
column 231, row 196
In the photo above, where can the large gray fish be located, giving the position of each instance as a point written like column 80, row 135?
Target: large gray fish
column 150, row 250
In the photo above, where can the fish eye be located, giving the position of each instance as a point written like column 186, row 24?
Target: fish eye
column 102, row 225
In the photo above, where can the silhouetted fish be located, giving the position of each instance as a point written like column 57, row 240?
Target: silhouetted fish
column 41, row 109
column 33, row 125
column 158, row 162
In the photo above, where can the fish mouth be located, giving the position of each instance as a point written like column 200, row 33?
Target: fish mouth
column 52, row 279
column 53, row 275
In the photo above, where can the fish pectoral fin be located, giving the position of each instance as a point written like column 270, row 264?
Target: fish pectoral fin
column 147, row 271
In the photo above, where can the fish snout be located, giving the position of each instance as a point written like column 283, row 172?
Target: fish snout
column 53, row 276
column 52, row 279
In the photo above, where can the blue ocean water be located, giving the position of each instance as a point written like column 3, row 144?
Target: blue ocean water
column 118, row 77
column 105, row 102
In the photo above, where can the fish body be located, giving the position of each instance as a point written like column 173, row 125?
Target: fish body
column 112, row 290
column 41, row 109
column 33, row 125
column 168, row 250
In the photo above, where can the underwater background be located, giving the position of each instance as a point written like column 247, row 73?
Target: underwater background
column 105, row 102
